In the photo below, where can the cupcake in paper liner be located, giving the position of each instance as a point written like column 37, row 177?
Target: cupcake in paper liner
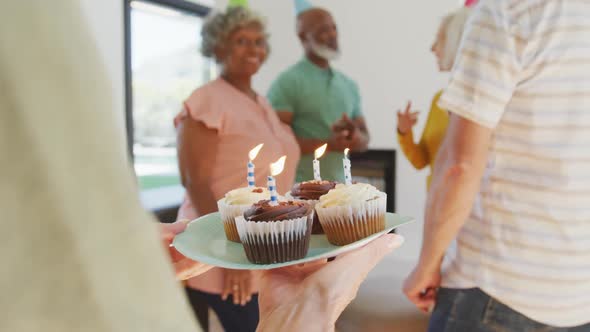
column 235, row 203
column 275, row 233
column 310, row 192
column 349, row 213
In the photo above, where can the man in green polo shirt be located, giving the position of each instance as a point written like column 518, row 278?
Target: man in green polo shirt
column 320, row 103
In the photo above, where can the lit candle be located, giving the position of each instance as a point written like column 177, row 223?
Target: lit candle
column 316, row 163
column 275, row 169
column 346, row 163
column 252, row 155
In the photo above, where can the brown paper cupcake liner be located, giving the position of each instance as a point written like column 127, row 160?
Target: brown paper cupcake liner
column 316, row 227
column 228, row 215
column 347, row 224
column 231, row 231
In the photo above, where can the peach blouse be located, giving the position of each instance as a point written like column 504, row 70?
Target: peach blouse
column 241, row 124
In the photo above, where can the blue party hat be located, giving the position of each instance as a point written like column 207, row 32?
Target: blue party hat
column 302, row 6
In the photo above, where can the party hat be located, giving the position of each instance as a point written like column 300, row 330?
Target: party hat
column 302, row 6
column 238, row 3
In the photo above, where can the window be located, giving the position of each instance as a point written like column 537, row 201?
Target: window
column 163, row 67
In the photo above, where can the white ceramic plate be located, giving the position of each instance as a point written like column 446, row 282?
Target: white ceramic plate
column 204, row 241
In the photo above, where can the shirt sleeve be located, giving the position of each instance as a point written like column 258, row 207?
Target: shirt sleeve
column 357, row 106
column 486, row 68
column 204, row 107
column 417, row 154
column 280, row 94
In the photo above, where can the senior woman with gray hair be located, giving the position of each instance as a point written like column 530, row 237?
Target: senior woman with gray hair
column 219, row 123
column 445, row 49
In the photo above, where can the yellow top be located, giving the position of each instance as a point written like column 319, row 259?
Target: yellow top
column 424, row 153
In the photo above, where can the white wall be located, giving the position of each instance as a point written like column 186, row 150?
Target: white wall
column 385, row 48
column 105, row 18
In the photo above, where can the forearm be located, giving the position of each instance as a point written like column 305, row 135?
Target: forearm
column 197, row 150
column 198, row 179
column 306, row 312
column 417, row 154
column 306, row 145
column 202, row 197
column 449, row 204
column 458, row 170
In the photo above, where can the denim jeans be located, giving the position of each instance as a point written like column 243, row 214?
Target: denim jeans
column 471, row 310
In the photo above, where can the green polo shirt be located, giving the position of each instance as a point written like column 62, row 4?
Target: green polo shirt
column 317, row 98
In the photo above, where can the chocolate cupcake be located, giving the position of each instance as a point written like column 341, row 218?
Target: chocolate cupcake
column 275, row 233
column 310, row 192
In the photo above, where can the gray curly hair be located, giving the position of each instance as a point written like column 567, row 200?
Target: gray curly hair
column 218, row 27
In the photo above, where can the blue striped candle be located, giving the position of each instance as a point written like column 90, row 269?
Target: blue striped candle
column 252, row 155
column 251, row 183
column 272, row 187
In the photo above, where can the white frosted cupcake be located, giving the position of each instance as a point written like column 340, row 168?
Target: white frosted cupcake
column 349, row 213
column 235, row 203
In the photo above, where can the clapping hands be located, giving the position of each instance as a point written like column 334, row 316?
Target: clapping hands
column 346, row 133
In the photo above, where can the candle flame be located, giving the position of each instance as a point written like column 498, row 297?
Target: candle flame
column 254, row 152
column 320, row 151
column 346, row 152
column 277, row 167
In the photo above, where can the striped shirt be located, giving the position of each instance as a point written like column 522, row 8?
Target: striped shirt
column 524, row 70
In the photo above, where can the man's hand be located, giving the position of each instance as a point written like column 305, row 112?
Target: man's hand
column 344, row 127
column 312, row 296
column 338, row 142
column 185, row 268
column 238, row 283
column 421, row 286
column 347, row 133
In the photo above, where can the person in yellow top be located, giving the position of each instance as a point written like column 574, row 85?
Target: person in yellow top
column 445, row 47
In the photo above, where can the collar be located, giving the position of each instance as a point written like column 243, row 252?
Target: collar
column 312, row 66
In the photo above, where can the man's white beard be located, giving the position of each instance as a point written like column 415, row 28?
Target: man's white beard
column 323, row 51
